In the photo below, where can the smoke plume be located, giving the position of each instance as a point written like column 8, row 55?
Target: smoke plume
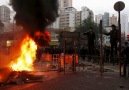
column 35, row 15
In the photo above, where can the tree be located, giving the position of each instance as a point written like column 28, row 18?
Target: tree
column 86, row 24
column 84, row 27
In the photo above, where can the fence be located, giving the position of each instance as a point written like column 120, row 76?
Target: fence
column 58, row 62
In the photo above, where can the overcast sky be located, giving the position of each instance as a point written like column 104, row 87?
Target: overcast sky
column 101, row 6
column 98, row 6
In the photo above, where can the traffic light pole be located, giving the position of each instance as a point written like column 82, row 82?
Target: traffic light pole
column 119, row 42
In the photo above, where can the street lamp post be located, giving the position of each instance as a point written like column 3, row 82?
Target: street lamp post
column 119, row 6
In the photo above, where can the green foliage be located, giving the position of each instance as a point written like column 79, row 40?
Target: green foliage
column 86, row 24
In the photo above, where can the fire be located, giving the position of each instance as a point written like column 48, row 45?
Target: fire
column 27, row 56
column 0, row 78
column 46, row 35
column 42, row 38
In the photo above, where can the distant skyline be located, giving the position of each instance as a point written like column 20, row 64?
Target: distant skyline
column 101, row 6
column 97, row 6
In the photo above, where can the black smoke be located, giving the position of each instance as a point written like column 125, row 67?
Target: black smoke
column 35, row 15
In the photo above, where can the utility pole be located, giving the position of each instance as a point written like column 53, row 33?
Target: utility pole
column 119, row 6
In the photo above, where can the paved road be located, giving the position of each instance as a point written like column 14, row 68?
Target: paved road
column 82, row 80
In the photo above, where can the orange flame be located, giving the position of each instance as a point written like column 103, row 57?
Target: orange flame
column 27, row 57
column 42, row 38
column 0, row 78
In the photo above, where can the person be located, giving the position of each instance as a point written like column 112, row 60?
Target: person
column 113, row 39
column 91, row 38
column 125, row 54
column 83, row 52
column 106, row 53
column 38, row 53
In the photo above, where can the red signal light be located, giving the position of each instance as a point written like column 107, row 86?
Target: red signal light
column 128, row 37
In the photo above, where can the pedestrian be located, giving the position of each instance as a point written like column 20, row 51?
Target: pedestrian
column 38, row 54
column 106, row 53
column 113, row 39
column 91, row 39
column 125, row 54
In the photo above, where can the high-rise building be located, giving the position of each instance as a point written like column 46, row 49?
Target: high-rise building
column 85, row 13
column 105, row 19
column 127, row 33
column 78, row 18
column 67, row 18
column 113, row 20
column 64, row 4
column 124, row 23
column 5, row 18
column 4, row 13
column 98, row 18
column 55, row 25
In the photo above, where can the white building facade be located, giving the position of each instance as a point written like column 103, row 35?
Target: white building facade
column 64, row 4
column 85, row 13
column 124, row 23
column 56, row 25
column 67, row 18
column 78, row 18
column 98, row 18
column 5, row 18
column 70, row 17
column 4, row 13
column 105, row 19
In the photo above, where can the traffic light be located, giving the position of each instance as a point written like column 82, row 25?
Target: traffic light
column 127, row 37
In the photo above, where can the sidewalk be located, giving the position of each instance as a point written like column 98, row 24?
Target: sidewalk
column 91, row 66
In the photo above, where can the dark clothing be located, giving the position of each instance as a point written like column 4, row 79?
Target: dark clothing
column 38, row 53
column 107, row 53
column 113, row 40
column 91, row 48
column 113, row 45
column 91, row 38
column 113, row 35
column 125, row 54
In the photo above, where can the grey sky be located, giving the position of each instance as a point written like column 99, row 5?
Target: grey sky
column 4, row 2
column 101, row 6
column 98, row 6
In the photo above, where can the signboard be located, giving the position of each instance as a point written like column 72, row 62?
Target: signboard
column 70, row 34
column 54, row 42
column 119, row 6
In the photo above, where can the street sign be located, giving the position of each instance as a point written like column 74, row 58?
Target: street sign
column 65, row 34
column 119, row 6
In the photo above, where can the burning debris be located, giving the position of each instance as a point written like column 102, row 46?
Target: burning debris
column 35, row 15
column 27, row 56
column 4, row 74
column 42, row 38
column 19, row 77
column 21, row 68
